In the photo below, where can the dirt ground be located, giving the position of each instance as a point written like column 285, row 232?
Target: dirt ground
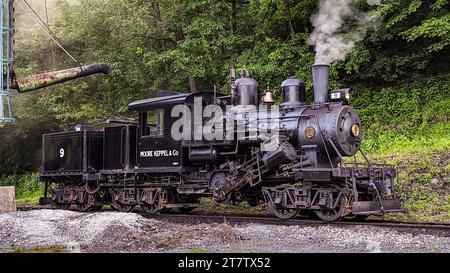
column 69, row 231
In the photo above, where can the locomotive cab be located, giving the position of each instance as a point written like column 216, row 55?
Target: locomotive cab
column 156, row 149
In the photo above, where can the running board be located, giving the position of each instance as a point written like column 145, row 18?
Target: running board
column 371, row 207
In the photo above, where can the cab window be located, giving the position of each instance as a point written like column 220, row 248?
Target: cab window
column 153, row 122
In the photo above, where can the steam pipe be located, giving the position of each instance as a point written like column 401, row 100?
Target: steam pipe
column 321, row 75
column 38, row 81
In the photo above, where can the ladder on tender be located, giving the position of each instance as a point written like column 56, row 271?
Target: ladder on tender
column 6, row 60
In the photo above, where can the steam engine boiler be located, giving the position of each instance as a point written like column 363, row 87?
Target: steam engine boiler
column 235, row 147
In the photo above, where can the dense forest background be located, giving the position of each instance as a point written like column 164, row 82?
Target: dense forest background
column 399, row 70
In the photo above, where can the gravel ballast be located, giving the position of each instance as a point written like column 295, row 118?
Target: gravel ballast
column 129, row 232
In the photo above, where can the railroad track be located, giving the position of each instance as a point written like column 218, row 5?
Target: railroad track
column 245, row 219
column 233, row 219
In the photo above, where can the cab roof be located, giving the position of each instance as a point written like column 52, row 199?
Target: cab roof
column 166, row 98
column 157, row 102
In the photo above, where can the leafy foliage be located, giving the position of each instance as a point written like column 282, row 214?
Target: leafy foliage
column 28, row 189
column 410, row 43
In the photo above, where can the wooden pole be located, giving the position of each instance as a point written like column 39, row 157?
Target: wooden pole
column 7, row 199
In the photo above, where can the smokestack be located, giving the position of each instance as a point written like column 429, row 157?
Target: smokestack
column 321, row 74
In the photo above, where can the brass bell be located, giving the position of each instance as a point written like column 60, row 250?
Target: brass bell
column 268, row 96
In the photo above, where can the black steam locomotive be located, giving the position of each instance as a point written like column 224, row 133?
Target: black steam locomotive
column 237, row 147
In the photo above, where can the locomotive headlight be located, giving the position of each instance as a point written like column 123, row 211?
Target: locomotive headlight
column 356, row 131
column 348, row 96
column 344, row 95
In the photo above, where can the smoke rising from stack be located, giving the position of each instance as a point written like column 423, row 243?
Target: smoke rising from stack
column 330, row 39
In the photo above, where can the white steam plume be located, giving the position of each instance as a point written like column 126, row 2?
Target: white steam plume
column 331, row 41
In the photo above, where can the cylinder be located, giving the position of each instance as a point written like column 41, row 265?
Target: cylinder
column 321, row 75
column 292, row 92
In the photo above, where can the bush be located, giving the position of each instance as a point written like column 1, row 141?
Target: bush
column 424, row 138
column 407, row 106
column 28, row 189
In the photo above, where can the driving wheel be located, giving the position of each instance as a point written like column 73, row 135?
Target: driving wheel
column 332, row 215
column 283, row 213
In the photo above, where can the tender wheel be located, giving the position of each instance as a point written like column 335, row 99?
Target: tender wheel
column 89, row 202
column 150, row 208
column 121, row 207
column 83, row 207
column 117, row 198
column 58, row 198
column 332, row 215
column 155, row 206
